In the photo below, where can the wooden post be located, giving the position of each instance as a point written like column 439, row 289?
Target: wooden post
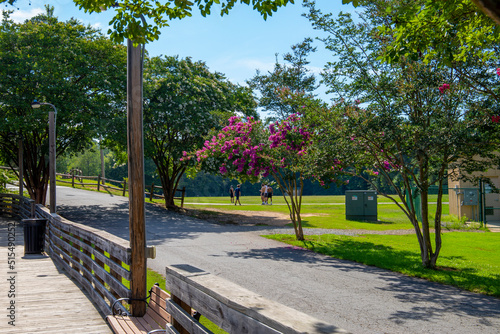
column 21, row 168
column 124, row 187
column 152, row 192
column 98, row 182
column 137, row 219
column 73, row 177
column 115, row 274
column 182, row 199
column 103, row 172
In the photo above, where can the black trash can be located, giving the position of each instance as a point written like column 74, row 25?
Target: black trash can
column 34, row 233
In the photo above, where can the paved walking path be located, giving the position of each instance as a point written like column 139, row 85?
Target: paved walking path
column 41, row 297
column 358, row 298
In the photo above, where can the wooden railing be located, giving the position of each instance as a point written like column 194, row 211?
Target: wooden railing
column 98, row 260
column 17, row 205
column 231, row 307
column 151, row 194
column 77, row 179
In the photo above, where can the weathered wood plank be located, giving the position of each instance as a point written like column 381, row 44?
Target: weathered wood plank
column 237, row 306
column 47, row 300
column 185, row 319
column 100, row 291
column 225, row 317
column 117, row 268
column 109, row 243
column 98, row 269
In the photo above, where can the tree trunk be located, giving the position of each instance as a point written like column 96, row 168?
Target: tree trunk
column 169, row 182
column 427, row 253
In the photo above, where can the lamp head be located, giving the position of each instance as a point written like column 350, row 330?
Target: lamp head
column 35, row 104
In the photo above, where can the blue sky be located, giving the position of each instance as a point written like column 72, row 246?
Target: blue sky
column 237, row 44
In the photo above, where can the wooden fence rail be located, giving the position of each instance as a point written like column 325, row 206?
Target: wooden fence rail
column 98, row 260
column 123, row 186
column 231, row 307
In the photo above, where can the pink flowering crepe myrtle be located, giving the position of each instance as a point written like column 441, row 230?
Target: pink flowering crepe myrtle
column 443, row 88
column 246, row 148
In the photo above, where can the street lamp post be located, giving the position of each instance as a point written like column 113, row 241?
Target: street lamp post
column 52, row 152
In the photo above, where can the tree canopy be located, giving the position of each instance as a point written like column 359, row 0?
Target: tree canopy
column 292, row 75
column 407, row 123
column 72, row 66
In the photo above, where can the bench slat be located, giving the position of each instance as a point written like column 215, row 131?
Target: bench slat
column 132, row 325
column 160, row 316
column 125, row 325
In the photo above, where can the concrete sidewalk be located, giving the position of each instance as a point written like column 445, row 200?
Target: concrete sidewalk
column 493, row 226
column 37, row 296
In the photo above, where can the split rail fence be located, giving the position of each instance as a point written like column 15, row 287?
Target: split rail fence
column 122, row 186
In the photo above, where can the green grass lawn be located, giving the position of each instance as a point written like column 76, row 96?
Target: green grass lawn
column 321, row 211
column 468, row 260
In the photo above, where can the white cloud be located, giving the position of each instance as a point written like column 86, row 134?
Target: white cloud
column 315, row 69
column 255, row 64
column 19, row 16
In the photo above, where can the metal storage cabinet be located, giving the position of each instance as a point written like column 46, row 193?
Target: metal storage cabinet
column 361, row 205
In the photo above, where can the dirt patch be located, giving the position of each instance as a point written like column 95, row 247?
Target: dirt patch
column 241, row 217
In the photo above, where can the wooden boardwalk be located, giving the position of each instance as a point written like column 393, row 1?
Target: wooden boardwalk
column 41, row 297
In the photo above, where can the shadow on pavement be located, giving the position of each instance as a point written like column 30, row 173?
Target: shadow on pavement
column 439, row 300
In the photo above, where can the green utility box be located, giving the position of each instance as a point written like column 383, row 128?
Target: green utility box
column 361, row 205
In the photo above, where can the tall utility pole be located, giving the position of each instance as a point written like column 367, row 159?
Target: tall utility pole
column 135, row 144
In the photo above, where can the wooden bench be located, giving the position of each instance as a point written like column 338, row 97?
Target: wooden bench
column 155, row 319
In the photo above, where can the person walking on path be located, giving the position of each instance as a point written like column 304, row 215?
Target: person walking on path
column 270, row 195
column 231, row 193
column 237, row 193
column 263, row 194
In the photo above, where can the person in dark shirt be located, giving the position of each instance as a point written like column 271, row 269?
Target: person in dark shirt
column 237, row 193
column 231, row 193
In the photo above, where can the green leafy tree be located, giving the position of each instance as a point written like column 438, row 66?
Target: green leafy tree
column 183, row 102
column 409, row 122
column 450, row 34
column 72, row 66
column 292, row 75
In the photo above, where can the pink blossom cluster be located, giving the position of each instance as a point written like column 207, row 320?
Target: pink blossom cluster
column 495, row 118
column 443, row 88
column 290, row 135
column 389, row 165
column 234, row 143
column 498, row 71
